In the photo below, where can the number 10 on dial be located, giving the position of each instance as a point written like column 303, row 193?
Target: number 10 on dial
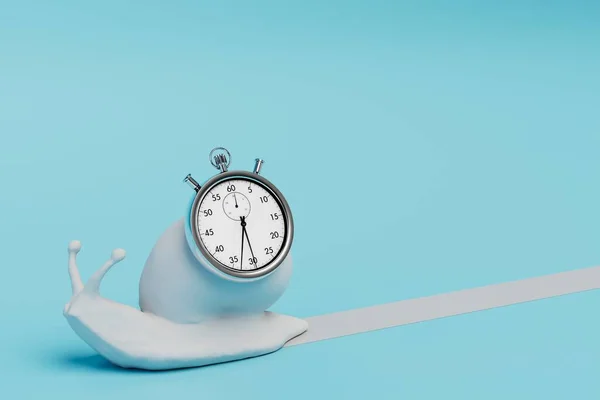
column 240, row 224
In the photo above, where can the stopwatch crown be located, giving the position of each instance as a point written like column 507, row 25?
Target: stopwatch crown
column 221, row 162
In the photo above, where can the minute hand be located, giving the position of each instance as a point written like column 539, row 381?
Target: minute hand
column 242, row 251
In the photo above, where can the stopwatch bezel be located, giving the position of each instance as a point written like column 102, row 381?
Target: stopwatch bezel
column 287, row 215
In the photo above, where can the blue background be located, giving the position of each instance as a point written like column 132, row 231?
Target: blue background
column 424, row 147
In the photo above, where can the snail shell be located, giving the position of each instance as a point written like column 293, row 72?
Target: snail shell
column 175, row 286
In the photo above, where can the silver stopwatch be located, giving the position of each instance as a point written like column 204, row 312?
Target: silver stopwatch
column 239, row 225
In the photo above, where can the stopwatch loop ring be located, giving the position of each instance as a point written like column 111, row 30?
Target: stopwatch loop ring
column 221, row 160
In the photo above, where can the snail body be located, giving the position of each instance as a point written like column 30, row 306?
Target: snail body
column 189, row 317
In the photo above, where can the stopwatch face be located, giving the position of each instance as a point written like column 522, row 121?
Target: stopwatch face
column 242, row 224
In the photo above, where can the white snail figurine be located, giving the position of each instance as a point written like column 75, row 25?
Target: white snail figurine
column 206, row 284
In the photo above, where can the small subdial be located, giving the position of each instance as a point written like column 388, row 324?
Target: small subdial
column 236, row 205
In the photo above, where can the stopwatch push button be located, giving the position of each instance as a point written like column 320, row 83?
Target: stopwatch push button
column 192, row 182
column 258, row 165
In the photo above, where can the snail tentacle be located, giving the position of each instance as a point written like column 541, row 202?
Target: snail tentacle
column 93, row 284
column 76, row 283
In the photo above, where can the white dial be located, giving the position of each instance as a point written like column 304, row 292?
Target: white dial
column 241, row 224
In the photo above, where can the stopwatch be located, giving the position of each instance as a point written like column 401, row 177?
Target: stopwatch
column 239, row 225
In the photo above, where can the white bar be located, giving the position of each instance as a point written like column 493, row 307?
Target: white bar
column 405, row 312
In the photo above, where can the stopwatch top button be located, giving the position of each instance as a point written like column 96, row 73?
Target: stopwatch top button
column 258, row 165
